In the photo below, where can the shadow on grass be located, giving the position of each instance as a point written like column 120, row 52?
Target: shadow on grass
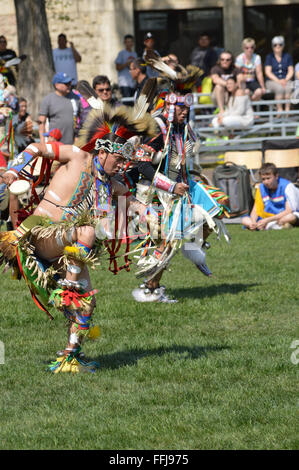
column 210, row 291
column 131, row 357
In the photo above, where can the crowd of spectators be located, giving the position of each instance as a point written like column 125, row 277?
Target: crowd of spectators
column 233, row 84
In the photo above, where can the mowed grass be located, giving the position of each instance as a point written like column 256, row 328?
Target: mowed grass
column 213, row 371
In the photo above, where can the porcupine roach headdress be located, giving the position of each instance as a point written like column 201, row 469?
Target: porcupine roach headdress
column 110, row 128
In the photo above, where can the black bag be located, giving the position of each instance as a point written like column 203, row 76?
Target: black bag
column 234, row 180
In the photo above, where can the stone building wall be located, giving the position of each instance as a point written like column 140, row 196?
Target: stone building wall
column 96, row 27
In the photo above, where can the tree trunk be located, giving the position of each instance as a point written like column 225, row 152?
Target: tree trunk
column 36, row 71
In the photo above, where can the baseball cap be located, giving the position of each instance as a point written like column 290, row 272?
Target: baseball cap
column 148, row 36
column 61, row 77
column 54, row 133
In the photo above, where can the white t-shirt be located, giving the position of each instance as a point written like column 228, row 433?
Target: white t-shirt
column 292, row 195
column 64, row 62
column 248, row 66
column 124, row 75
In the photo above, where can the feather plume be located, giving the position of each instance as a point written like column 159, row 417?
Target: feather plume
column 8, row 245
column 145, row 98
column 121, row 121
column 155, row 61
column 89, row 94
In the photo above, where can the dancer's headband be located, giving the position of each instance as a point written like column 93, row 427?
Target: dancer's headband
column 127, row 149
column 186, row 100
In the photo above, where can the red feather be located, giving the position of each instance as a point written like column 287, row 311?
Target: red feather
column 123, row 132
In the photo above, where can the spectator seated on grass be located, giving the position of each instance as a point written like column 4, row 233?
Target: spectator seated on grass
column 276, row 203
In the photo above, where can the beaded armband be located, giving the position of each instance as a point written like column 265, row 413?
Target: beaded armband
column 144, row 153
column 162, row 182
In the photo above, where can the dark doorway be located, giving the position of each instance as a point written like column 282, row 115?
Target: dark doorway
column 177, row 31
column 264, row 22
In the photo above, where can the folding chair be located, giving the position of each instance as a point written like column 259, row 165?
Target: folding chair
column 251, row 159
column 286, row 160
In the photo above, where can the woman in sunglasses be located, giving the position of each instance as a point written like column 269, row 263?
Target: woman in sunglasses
column 250, row 65
column 279, row 70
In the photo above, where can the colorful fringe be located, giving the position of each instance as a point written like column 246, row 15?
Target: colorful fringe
column 73, row 364
column 220, row 197
column 72, row 299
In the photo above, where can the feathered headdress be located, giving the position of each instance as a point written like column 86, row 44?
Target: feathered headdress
column 172, row 83
column 180, row 78
column 110, row 128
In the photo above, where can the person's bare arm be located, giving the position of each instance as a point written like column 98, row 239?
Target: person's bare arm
column 290, row 73
column 120, row 67
column 260, row 76
column 217, row 80
column 270, row 74
column 262, row 223
column 253, row 217
column 42, row 128
column 76, row 54
column 14, row 206
column 52, row 150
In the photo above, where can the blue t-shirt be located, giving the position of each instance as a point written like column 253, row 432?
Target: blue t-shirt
column 280, row 69
column 124, row 75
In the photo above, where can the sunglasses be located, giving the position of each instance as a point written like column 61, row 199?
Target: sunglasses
column 101, row 90
column 278, row 44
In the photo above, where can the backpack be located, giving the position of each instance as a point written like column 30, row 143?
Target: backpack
column 234, row 180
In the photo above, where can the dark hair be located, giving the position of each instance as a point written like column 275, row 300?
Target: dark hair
column 62, row 35
column 204, row 33
column 268, row 168
column 100, row 80
column 139, row 64
column 128, row 36
column 232, row 77
column 21, row 99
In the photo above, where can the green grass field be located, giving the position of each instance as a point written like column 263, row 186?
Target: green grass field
column 211, row 372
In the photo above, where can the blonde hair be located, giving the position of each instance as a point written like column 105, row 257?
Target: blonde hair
column 248, row 41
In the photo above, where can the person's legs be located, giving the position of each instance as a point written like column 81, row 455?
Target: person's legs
column 233, row 122
column 218, row 96
column 289, row 219
column 151, row 290
column 215, row 123
column 287, row 95
column 257, row 95
column 278, row 90
column 74, row 280
column 246, row 221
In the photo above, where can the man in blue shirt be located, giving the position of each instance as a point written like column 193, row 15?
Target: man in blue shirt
column 122, row 63
column 276, row 203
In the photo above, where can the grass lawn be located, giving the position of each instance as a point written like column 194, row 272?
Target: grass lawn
column 213, row 371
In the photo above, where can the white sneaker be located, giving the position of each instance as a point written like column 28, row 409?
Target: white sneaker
column 146, row 295
column 273, row 226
